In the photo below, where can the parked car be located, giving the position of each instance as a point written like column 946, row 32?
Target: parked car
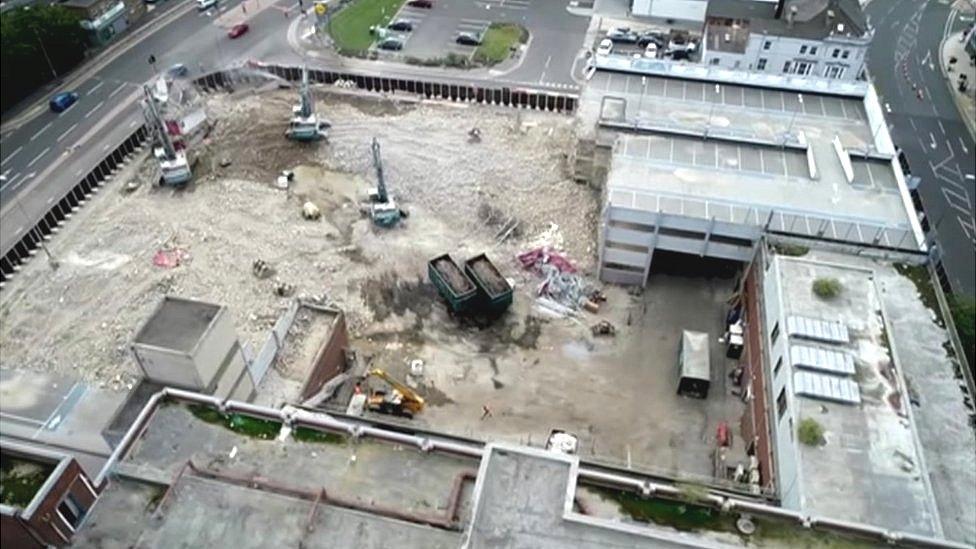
column 651, row 51
column 238, row 30
column 426, row 4
column 651, row 37
column 62, row 101
column 623, row 35
column 605, row 47
column 178, row 70
column 401, row 25
column 390, row 44
column 203, row 5
column 469, row 39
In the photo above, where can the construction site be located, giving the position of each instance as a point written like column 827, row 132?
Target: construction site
column 470, row 180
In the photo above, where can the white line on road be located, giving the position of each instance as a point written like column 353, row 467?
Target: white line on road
column 10, row 181
column 38, row 157
column 932, row 137
column 5, row 160
column 914, row 127
column 941, row 127
column 117, row 90
column 42, row 130
column 95, row 108
column 106, row 147
column 99, row 85
column 66, row 132
column 965, row 149
column 50, row 199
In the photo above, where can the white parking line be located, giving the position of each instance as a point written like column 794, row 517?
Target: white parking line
column 95, row 108
column 11, row 155
column 42, row 130
column 66, row 132
column 962, row 143
column 117, row 90
column 38, row 157
column 99, row 85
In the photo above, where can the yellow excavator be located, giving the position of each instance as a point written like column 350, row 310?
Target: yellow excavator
column 400, row 400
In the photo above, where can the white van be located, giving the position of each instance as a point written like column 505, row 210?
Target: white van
column 204, row 5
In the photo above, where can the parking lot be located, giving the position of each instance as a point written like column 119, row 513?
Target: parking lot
column 731, row 95
column 435, row 29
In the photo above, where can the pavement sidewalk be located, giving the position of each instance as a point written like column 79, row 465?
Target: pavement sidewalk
column 956, row 64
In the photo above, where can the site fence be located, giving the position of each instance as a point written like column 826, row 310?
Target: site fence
column 34, row 236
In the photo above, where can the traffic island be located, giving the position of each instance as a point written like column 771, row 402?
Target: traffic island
column 350, row 28
column 500, row 42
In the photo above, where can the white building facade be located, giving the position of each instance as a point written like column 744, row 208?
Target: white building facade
column 819, row 38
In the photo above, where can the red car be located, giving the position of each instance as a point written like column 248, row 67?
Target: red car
column 238, row 30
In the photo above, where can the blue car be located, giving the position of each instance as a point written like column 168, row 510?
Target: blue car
column 63, row 100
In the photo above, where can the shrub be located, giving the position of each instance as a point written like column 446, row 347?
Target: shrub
column 810, row 432
column 827, row 288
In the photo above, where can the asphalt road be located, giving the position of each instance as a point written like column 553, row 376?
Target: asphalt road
column 926, row 124
column 48, row 155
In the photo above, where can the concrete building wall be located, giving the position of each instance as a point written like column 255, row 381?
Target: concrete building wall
column 779, row 391
column 755, row 421
column 788, row 55
column 683, row 10
column 330, row 360
column 14, row 532
column 629, row 238
column 214, row 347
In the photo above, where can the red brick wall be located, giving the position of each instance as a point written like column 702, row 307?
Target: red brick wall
column 330, row 360
column 45, row 519
column 755, row 422
column 14, row 533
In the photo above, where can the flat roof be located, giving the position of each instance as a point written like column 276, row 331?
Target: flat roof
column 177, row 324
column 739, row 153
column 870, row 469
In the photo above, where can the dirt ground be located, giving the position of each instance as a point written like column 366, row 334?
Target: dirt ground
column 534, row 372
column 81, row 317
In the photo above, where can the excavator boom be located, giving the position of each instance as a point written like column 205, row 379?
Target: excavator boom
column 411, row 399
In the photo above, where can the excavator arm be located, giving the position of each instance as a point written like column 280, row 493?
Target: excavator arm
column 411, row 399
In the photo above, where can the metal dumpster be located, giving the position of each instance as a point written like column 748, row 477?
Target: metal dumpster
column 495, row 292
column 451, row 282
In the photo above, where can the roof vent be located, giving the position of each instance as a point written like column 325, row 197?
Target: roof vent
column 829, row 20
column 728, row 37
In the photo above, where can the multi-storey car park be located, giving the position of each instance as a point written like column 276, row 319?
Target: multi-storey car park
column 714, row 201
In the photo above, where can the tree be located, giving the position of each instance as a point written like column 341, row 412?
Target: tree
column 27, row 35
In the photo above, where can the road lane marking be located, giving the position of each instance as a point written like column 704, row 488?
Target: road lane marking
column 117, row 90
column 11, row 155
column 10, row 181
column 941, row 127
column 38, row 157
column 932, row 137
column 50, row 199
column 95, row 108
column 42, row 130
column 99, row 85
column 965, row 149
column 66, row 132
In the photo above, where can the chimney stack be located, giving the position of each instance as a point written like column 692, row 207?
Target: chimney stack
column 791, row 17
column 829, row 20
column 780, row 6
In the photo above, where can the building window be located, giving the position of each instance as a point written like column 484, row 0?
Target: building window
column 774, row 334
column 781, row 403
column 786, row 67
column 714, row 61
column 803, row 49
column 767, row 44
column 813, row 50
column 834, row 71
column 836, row 53
column 737, row 64
column 779, row 366
column 846, row 54
column 761, row 65
column 71, row 510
